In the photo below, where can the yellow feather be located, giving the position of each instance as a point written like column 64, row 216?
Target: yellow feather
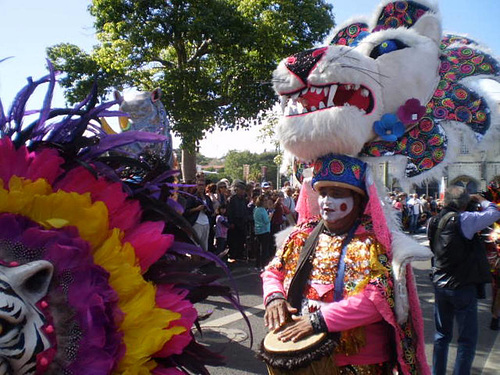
column 105, row 126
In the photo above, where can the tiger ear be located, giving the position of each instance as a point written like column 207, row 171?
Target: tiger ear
column 117, row 95
column 32, row 279
column 429, row 25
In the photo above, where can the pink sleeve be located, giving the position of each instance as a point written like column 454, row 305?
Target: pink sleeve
column 351, row 312
column 272, row 282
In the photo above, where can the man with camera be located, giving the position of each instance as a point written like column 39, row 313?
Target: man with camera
column 459, row 267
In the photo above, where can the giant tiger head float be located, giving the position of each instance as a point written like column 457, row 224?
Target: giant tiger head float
column 393, row 86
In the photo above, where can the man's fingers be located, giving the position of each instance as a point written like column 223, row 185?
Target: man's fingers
column 266, row 319
column 270, row 320
column 289, row 333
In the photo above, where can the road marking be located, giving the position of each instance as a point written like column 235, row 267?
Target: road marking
column 493, row 358
column 228, row 319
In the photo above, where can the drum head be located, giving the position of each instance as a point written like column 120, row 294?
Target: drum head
column 273, row 344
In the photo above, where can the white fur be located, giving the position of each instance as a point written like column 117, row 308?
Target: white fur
column 404, row 251
column 430, row 26
column 408, row 73
column 298, row 134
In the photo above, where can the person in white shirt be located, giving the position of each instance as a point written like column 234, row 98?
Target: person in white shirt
column 289, row 203
column 415, row 208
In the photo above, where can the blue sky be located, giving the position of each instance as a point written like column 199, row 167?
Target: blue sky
column 28, row 27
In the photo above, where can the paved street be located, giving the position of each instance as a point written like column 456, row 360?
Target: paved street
column 225, row 331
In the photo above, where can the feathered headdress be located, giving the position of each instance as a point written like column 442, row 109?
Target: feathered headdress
column 121, row 295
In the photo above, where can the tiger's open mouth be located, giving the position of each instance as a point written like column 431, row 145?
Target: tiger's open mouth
column 315, row 98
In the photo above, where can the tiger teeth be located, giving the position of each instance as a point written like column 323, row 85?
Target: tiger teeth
column 300, row 107
column 333, row 91
column 283, row 102
column 291, row 106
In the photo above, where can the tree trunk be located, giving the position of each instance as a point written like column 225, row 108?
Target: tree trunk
column 188, row 165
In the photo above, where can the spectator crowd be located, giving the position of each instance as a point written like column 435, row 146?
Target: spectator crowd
column 238, row 219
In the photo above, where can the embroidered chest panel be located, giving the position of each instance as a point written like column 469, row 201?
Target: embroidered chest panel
column 361, row 260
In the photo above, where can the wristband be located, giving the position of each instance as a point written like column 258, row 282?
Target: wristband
column 273, row 296
column 318, row 322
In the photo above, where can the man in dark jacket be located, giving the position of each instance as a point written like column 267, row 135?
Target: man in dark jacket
column 459, row 267
column 237, row 214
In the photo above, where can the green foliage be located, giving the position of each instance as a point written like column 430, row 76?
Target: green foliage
column 235, row 160
column 213, row 59
column 202, row 159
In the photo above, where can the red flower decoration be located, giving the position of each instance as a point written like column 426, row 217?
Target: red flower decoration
column 411, row 112
column 336, row 166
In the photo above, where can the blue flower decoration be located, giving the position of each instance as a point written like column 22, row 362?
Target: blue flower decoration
column 389, row 128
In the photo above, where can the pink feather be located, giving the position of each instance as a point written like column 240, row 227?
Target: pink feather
column 148, row 242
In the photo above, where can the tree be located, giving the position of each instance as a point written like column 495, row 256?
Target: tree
column 235, row 160
column 213, row 59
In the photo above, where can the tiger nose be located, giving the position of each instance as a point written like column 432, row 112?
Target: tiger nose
column 301, row 64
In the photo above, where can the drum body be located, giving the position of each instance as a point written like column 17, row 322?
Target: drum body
column 310, row 356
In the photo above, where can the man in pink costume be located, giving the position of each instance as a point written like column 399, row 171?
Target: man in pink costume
column 350, row 288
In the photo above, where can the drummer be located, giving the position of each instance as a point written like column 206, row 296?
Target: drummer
column 363, row 313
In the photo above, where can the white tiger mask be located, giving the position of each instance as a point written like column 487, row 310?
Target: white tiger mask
column 21, row 336
column 393, row 87
column 332, row 95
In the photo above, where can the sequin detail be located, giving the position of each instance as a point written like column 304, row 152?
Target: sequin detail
column 361, row 262
column 426, row 144
column 400, row 13
column 347, row 35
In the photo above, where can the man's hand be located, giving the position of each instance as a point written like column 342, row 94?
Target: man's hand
column 299, row 329
column 278, row 312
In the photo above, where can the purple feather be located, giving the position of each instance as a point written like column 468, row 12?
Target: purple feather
column 44, row 114
column 17, row 110
column 183, row 248
column 117, row 140
column 3, row 118
column 113, row 114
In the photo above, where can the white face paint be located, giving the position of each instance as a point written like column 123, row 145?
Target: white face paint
column 333, row 209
